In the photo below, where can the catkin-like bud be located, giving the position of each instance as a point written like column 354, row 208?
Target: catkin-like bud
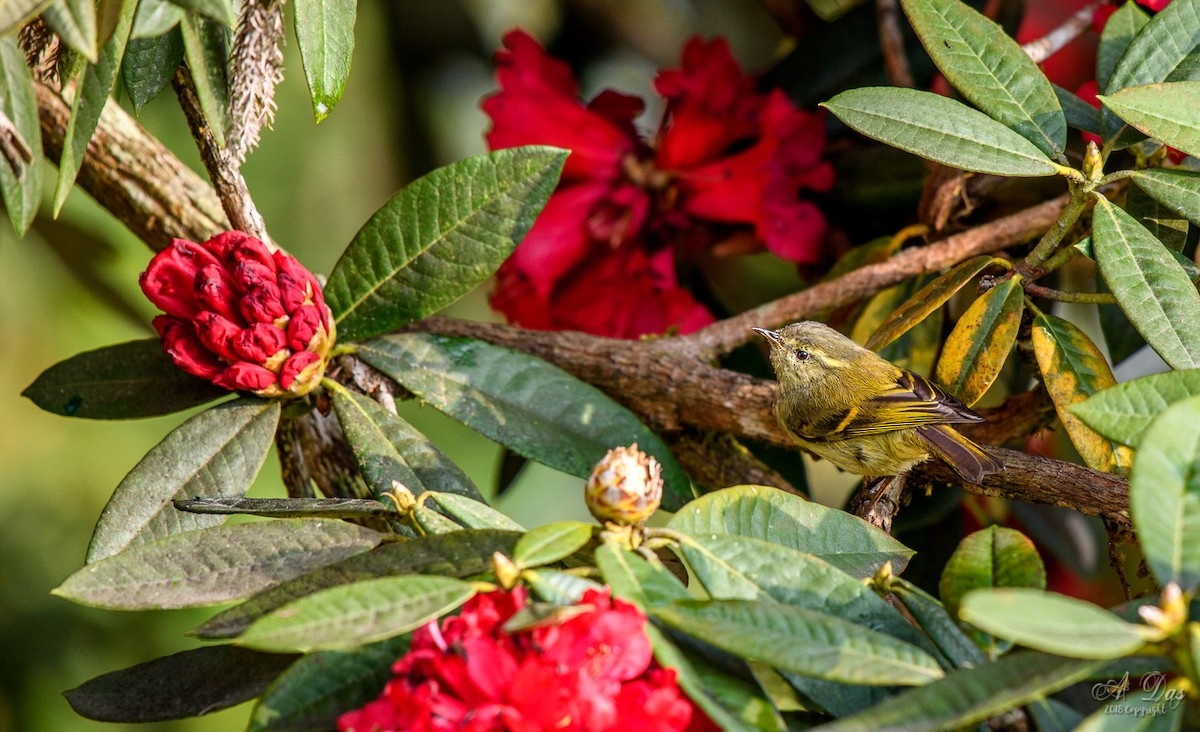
column 625, row 487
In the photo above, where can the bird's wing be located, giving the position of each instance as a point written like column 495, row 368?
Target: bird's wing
column 912, row 401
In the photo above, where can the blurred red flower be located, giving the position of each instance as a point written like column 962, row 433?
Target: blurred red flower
column 590, row 673
column 602, row 256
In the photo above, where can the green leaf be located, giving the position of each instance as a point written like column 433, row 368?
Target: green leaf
column 15, row 13
column 388, row 449
column 1119, row 31
column 831, row 10
column 473, row 514
column 75, row 23
column 438, row 238
column 320, row 687
column 939, row 129
column 149, row 65
column 967, row 697
column 977, row 348
column 338, row 508
column 1164, row 495
column 993, row 557
column 95, row 84
column 1123, row 412
column 1167, row 112
column 154, row 18
column 125, row 381
column 1078, row 113
column 550, row 543
column 214, row 565
column 934, row 621
column 459, row 554
column 1050, row 622
column 558, row 587
column 182, row 685
column 801, row 641
column 1162, row 223
column 219, row 10
column 533, row 408
column 991, row 70
column 1073, row 369
column 1178, row 190
column 325, row 32
column 206, row 49
column 217, row 453
column 1051, row 715
column 21, row 194
column 363, row 612
column 1150, row 286
column 842, row 539
column 927, row 300
column 634, row 578
column 1144, row 712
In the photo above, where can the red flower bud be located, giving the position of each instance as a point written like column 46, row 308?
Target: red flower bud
column 241, row 315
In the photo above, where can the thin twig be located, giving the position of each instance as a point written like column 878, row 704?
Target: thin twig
column 1043, row 48
column 1093, row 298
column 891, row 40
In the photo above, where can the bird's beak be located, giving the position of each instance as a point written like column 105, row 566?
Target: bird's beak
column 770, row 335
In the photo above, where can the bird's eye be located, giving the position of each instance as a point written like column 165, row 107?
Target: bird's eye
column 802, row 355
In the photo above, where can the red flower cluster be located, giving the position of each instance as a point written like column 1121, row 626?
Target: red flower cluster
column 601, row 257
column 590, row 673
column 240, row 315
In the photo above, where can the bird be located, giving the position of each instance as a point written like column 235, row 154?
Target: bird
column 864, row 414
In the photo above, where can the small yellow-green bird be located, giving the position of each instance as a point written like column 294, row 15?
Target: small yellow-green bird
column 864, row 414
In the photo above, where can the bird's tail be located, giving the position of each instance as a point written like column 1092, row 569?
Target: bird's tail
column 969, row 460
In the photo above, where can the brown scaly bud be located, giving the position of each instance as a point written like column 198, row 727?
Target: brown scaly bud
column 625, row 487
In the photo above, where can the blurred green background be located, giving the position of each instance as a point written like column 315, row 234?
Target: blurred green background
column 411, row 104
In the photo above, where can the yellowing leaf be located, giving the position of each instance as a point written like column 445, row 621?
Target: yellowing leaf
column 980, row 343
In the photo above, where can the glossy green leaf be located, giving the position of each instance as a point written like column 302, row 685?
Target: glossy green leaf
column 991, row 70
column 473, row 514
column 94, row 85
column 182, row 685
column 1164, row 495
column 642, row 581
column 206, row 49
column 1078, row 113
column 125, row 381
column 219, row 10
column 154, row 18
column 943, row 630
column 339, row 508
column 75, row 23
column 149, row 65
column 1162, row 223
column 993, row 557
column 21, row 194
column 325, row 33
column 801, row 641
column 533, row 408
column 1123, row 412
column 432, row 523
column 558, row 587
column 389, row 450
column 842, row 539
column 968, row 697
column 321, row 686
column 1073, row 369
column 550, row 543
column 928, row 299
column 939, row 129
column 214, row 565
column 1167, row 112
column 15, row 13
column 217, row 453
column 981, row 341
column 1052, row 623
column 438, row 238
column 350, row 615
column 1178, row 190
column 459, row 554
column 1119, row 31
column 1152, row 288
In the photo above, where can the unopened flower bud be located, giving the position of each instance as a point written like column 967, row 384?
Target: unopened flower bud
column 240, row 315
column 506, row 571
column 625, row 487
column 1093, row 164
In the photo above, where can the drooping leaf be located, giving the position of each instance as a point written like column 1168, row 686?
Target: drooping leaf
column 438, row 238
column 75, row 23
column 939, row 129
column 1051, row 715
column 95, row 84
column 1158, row 219
column 125, row 381
column 1073, row 369
column 551, row 542
column 320, row 687
column 154, row 18
column 325, row 33
column 558, row 587
column 149, row 65
column 21, row 194
column 350, row 615
column 926, row 300
column 1119, row 31
column 1078, row 113
column 217, row 453
column 219, row 10
column 842, row 539
column 389, row 449
column 1150, row 286
column 993, row 557
column 977, row 348
column 1052, row 623
column 182, row 685
column 933, row 619
column 1167, row 112
column 801, row 641
column 1123, row 412
column 991, row 70
column 636, row 579
column 970, row 696
column 1164, row 495
column 339, row 508
column 206, row 49
column 214, row 565
column 1178, row 190
column 522, row 402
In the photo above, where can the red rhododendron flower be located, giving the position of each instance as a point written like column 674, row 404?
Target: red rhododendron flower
column 602, row 256
column 240, row 315
column 591, row 673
